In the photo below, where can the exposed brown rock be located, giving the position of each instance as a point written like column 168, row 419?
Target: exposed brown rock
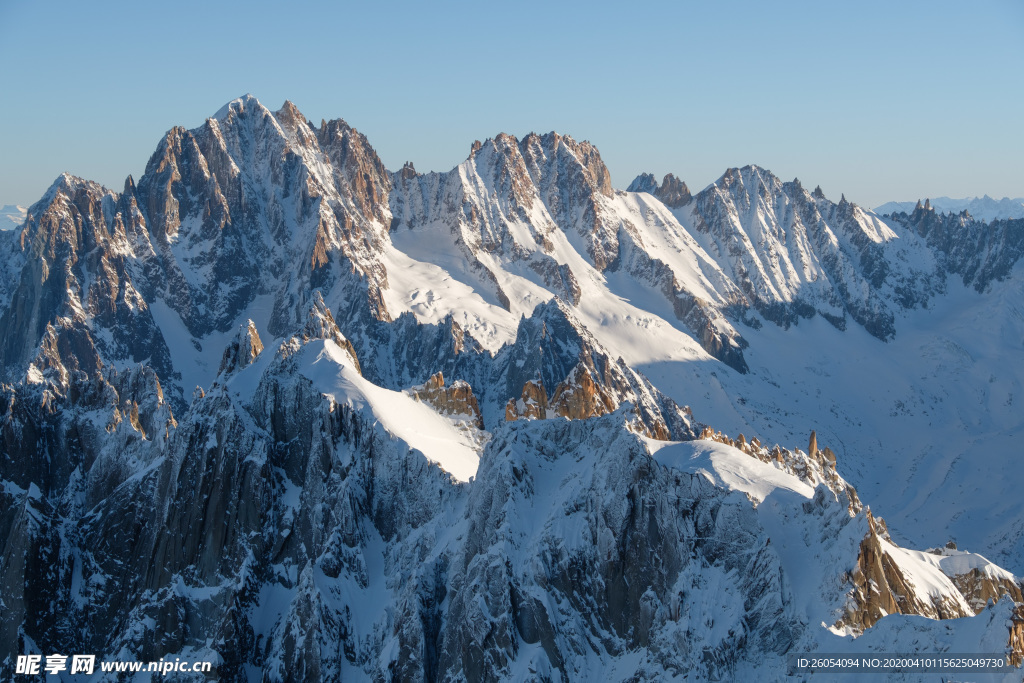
column 978, row 589
column 880, row 588
column 243, row 350
column 457, row 399
column 579, row 397
column 1016, row 642
column 532, row 405
column 673, row 192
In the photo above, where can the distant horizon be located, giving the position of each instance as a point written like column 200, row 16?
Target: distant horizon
column 117, row 187
column 879, row 102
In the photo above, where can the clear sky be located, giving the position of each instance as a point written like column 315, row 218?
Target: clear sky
column 878, row 100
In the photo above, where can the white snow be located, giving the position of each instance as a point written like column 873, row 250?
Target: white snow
column 12, row 216
column 439, row 439
column 727, row 467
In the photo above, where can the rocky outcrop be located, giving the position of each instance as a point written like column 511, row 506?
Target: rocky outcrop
column 980, row 588
column 454, row 400
column 880, row 588
column 579, row 396
column 242, row 350
column 531, row 405
column 672, row 192
column 881, row 585
column 813, row 468
column 552, row 349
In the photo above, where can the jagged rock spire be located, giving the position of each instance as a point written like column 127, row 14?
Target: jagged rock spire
column 408, row 171
column 242, row 350
column 673, row 192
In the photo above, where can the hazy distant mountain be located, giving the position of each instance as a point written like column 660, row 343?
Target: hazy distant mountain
column 11, row 216
column 279, row 407
column 982, row 208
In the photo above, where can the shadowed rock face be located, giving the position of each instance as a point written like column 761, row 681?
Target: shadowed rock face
column 552, row 349
column 977, row 251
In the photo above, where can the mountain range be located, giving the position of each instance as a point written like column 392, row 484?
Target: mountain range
column 276, row 406
column 981, row 208
column 12, row 216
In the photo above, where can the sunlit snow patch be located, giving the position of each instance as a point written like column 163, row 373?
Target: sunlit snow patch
column 727, row 467
column 439, row 439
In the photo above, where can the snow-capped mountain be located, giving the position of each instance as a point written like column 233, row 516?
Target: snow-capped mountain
column 980, row 208
column 278, row 407
column 12, row 216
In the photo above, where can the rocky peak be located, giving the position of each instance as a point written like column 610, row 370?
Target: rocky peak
column 645, row 182
column 551, row 155
column 176, row 176
column 454, row 400
column 500, row 162
column 408, row 171
column 240, row 107
column 795, row 256
column 289, row 116
column 532, row 403
column 242, row 350
column 818, row 193
column 672, row 192
column 320, row 325
column 366, row 180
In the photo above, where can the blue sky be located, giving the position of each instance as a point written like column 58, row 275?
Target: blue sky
column 878, row 100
